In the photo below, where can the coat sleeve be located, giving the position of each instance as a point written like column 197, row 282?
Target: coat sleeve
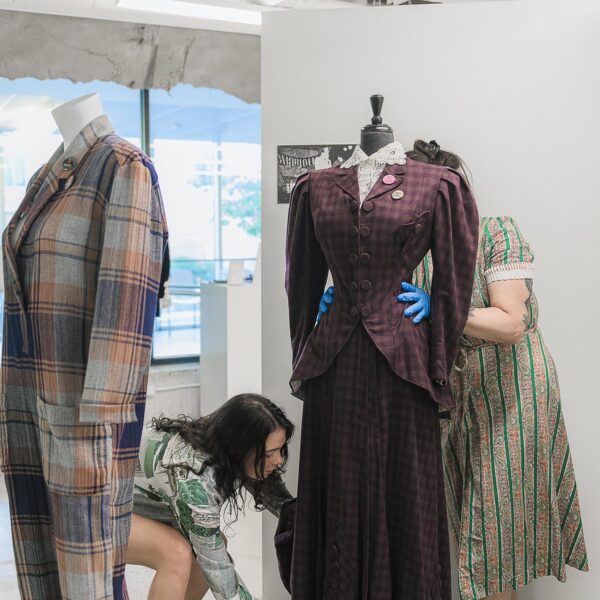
column 455, row 235
column 306, row 267
column 120, row 343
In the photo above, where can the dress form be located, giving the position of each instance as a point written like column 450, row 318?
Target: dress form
column 70, row 118
column 376, row 135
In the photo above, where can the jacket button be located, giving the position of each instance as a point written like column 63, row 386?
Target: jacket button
column 335, row 550
column 354, row 312
column 364, row 231
column 365, row 284
column 365, row 258
column 368, row 206
column 418, row 227
column 354, row 286
column 336, row 565
column 365, row 312
column 354, row 206
column 353, row 258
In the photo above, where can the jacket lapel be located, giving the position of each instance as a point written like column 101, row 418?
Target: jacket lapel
column 62, row 165
column 380, row 188
column 347, row 180
column 10, row 252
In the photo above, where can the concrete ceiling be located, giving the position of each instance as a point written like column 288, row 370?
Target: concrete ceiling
column 173, row 12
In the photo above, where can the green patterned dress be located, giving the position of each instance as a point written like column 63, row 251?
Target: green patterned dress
column 510, row 485
column 171, row 487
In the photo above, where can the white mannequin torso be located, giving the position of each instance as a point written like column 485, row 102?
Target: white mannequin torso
column 70, row 117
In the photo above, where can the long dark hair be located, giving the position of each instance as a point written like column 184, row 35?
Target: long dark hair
column 228, row 436
column 431, row 153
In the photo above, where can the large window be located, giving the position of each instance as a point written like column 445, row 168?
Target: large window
column 28, row 133
column 206, row 147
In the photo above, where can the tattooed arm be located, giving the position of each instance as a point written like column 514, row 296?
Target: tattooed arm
column 506, row 320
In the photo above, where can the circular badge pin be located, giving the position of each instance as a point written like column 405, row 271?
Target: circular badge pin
column 69, row 164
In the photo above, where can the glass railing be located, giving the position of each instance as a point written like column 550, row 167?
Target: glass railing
column 177, row 329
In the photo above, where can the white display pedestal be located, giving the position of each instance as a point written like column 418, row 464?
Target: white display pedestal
column 231, row 350
column 230, row 363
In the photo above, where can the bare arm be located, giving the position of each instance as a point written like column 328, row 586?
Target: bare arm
column 505, row 321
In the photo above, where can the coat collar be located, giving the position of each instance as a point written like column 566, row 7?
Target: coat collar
column 62, row 165
column 392, row 156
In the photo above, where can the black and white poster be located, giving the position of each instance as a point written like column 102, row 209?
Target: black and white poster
column 293, row 161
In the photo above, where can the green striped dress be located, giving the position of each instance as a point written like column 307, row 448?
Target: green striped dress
column 510, row 485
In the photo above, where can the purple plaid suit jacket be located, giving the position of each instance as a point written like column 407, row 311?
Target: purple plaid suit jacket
column 370, row 250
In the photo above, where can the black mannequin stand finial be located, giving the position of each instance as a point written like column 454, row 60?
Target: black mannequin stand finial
column 376, row 105
column 376, row 135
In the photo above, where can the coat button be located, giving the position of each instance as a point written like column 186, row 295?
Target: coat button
column 336, row 565
column 69, row 163
column 354, row 286
column 365, row 312
column 364, row 231
column 397, row 194
column 354, row 206
column 353, row 258
column 365, row 285
column 354, row 312
column 418, row 227
column 365, row 258
column 335, row 550
column 368, row 206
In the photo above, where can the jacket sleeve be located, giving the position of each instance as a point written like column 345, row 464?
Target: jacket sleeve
column 455, row 234
column 306, row 267
column 120, row 343
column 199, row 515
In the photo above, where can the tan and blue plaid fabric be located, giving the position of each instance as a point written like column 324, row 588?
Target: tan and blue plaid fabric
column 81, row 286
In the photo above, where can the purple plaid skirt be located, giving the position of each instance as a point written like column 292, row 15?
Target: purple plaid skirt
column 371, row 516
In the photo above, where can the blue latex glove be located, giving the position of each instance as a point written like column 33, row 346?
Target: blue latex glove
column 325, row 301
column 421, row 299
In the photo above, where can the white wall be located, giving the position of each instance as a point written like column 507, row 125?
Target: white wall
column 514, row 87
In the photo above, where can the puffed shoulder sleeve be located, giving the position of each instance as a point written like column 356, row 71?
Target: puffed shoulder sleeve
column 455, row 234
column 506, row 252
column 306, row 267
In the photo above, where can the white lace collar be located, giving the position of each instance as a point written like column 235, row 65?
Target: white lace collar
column 392, row 154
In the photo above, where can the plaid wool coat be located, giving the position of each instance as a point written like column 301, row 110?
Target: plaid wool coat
column 81, row 286
column 370, row 249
